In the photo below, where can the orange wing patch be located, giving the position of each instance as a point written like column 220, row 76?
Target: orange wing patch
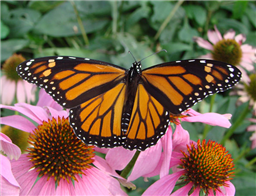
column 148, row 121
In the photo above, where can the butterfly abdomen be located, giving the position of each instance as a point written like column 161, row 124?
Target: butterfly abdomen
column 133, row 78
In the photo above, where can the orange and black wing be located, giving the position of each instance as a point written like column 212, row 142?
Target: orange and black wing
column 71, row 80
column 179, row 85
column 148, row 122
column 98, row 120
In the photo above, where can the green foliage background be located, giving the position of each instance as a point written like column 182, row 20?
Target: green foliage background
column 107, row 30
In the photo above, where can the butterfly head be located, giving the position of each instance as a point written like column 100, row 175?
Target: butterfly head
column 136, row 66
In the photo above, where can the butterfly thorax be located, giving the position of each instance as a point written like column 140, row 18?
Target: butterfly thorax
column 132, row 81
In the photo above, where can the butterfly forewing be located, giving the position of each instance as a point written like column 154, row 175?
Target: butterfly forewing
column 71, row 80
column 181, row 84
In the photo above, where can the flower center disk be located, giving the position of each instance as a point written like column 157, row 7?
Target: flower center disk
column 227, row 50
column 207, row 166
column 57, row 152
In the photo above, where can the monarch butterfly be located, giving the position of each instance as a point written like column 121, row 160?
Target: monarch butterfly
column 111, row 106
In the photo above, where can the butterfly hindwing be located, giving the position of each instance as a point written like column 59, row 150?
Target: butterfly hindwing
column 98, row 120
column 181, row 84
column 148, row 122
column 71, row 80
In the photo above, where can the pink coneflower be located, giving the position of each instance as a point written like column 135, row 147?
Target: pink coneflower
column 12, row 84
column 9, row 185
column 57, row 163
column 229, row 49
column 253, row 129
column 156, row 159
column 205, row 167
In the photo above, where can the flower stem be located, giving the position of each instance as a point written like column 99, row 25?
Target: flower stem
column 167, row 20
column 130, row 165
column 251, row 162
column 80, row 23
column 207, row 127
column 236, row 124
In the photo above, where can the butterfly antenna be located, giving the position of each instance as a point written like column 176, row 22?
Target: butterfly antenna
column 152, row 54
column 132, row 56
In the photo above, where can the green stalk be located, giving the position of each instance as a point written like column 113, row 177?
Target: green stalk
column 80, row 23
column 207, row 127
column 167, row 20
column 238, row 122
column 130, row 165
column 251, row 162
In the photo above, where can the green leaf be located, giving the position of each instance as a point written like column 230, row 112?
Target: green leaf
column 239, row 9
column 4, row 30
column 72, row 52
column 176, row 47
column 245, row 183
column 138, row 14
column 227, row 24
column 187, row 33
column 251, row 13
column 11, row 46
column 20, row 21
column 62, row 21
column 139, row 51
column 44, row 6
column 197, row 12
column 161, row 10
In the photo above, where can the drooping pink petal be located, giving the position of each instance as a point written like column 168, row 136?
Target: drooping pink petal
column 146, row 162
column 10, row 149
column 251, row 128
column 196, row 192
column 245, row 78
column 103, row 165
column 20, row 123
column 8, row 93
column 248, row 48
column 230, row 34
column 124, row 157
column 156, row 171
column 203, row 43
column 23, row 173
column 214, row 35
column 65, row 188
column 165, row 185
column 213, row 119
column 30, row 91
column 35, row 113
column 46, row 100
column 21, row 92
column 183, row 190
column 43, row 187
column 96, row 182
column 7, row 188
column 252, row 120
column 56, row 113
column 240, row 38
column 167, row 152
column 230, row 190
column 247, row 66
column 206, row 56
column 6, row 171
column 180, row 138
